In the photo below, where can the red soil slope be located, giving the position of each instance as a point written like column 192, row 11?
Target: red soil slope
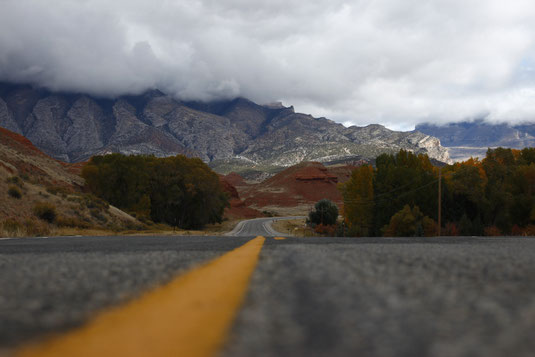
column 19, row 143
column 300, row 185
column 18, row 156
column 235, row 179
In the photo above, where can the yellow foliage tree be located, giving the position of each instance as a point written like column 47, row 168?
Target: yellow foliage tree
column 358, row 201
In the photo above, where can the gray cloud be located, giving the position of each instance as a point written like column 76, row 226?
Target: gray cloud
column 358, row 62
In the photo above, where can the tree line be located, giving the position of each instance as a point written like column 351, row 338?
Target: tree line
column 399, row 196
column 178, row 191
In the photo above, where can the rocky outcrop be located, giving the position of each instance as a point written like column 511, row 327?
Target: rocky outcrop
column 46, row 125
column 85, row 132
column 73, row 127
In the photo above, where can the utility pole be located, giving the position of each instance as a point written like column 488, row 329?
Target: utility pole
column 439, row 200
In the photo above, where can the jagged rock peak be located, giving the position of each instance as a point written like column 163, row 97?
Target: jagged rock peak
column 223, row 133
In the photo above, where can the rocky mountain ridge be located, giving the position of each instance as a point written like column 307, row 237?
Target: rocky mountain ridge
column 465, row 139
column 226, row 134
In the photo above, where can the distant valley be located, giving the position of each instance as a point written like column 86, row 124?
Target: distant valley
column 232, row 135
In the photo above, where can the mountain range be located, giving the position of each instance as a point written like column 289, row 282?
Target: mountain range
column 227, row 134
column 465, row 139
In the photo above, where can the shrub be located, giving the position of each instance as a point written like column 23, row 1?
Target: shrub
column 45, row 211
column 410, row 222
column 526, row 231
column 492, row 231
column 450, row 230
column 58, row 190
column 15, row 180
column 268, row 213
column 92, row 201
column 14, row 192
column 529, row 230
column 72, row 222
column 328, row 230
column 96, row 213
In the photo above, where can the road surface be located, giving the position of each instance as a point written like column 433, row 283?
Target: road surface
column 307, row 296
column 259, row 227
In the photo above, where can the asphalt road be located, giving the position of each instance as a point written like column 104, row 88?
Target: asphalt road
column 53, row 284
column 258, row 227
column 307, row 297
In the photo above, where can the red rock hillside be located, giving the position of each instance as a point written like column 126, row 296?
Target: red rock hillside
column 296, row 189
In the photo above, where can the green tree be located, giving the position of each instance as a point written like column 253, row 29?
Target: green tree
column 401, row 179
column 325, row 212
column 176, row 190
column 409, row 222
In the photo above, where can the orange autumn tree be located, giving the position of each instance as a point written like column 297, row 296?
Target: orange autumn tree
column 358, row 201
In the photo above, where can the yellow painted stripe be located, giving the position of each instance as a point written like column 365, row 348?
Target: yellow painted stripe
column 279, row 238
column 191, row 316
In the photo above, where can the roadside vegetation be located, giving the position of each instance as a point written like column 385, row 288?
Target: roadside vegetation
column 31, row 209
column 399, row 197
column 177, row 191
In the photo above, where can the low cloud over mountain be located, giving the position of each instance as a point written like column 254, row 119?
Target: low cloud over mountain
column 383, row 61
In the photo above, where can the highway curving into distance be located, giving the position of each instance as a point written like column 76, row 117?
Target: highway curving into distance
column 254, row 296
column 259, row 227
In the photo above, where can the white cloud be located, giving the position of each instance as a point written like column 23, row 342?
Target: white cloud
column 360, row 62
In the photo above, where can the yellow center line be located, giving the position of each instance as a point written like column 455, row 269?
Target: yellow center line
column 279, row 238
column 190, row 316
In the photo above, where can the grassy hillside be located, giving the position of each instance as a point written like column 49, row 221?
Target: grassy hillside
column 41, row 196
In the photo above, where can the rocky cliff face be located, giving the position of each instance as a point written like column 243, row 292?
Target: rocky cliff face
column 73, row 127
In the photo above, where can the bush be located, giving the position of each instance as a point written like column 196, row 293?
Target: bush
column 529, row 230
column 328, row 230
column 450, row 230
column 96, row 213
column 410, row 222
column 325, row 213
column 15, row 180
column 92, row 201
column 45, row 211
column 58, row 190
column 493, row 231
column 14, row 192
column 268, row 213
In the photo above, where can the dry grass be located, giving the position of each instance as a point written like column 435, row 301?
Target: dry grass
column 294, row 227
column 76, row 212
column 35, row 227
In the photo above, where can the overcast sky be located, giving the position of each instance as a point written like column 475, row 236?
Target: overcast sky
column 358, row 62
